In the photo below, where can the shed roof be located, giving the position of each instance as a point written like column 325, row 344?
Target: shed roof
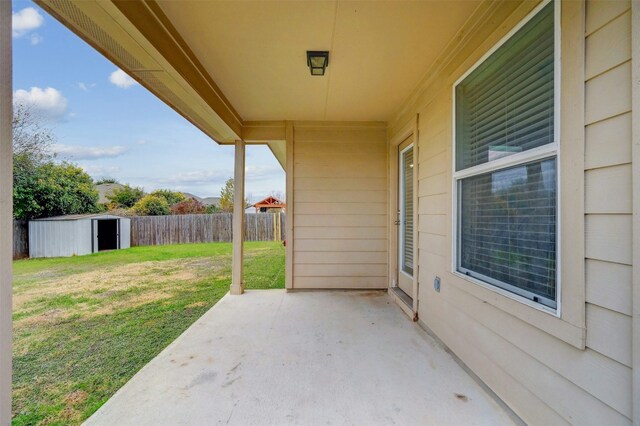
column 80, row 216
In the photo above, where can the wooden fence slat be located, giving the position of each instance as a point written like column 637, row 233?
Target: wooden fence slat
column 204, row 228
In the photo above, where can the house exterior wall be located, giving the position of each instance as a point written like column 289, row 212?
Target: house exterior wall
column 340, row 204
column 575, row 369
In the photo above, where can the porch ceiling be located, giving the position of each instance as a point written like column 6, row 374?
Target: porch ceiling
column 256, row 52
column 233, row 68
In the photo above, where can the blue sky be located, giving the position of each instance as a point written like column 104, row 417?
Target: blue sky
column 113, row 127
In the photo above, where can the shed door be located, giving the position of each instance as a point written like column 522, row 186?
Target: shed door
column 108, row 234
column 94, row 235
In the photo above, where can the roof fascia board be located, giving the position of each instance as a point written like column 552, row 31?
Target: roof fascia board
column 203, row 105
column 155, row 26
column 279, row 150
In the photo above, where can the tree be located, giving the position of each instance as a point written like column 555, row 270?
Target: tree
column 212, row 208
column 54, row 189
column 104, row 180
column 42, row 188
column 171, row 197
column 125, row 197
column 190, row 206
column 32, row 142
column 226, row 197
column 152, row 205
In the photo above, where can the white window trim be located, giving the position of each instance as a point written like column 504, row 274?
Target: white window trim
column 546, row 151
column 401, row 194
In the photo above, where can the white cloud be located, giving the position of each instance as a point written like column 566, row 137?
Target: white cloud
column 218, row 177
column 100, row 171
column 36, row 39
column 85, row 86
column 48, row 103
column 141, row 142
column 122, row 79
column 25, row 21
column 263, row 172
column 78, row 152
column 198, row 177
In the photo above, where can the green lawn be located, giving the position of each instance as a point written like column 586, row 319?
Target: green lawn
column 84, row 325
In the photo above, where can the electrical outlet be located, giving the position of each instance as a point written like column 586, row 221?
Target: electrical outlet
column 436, row 284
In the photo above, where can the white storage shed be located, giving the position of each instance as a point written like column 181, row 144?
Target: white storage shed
column 76, row 235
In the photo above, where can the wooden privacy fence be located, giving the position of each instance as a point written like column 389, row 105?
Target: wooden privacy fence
column 20, row 239
column 204, row 228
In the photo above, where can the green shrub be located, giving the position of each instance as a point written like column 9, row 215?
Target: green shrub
column 152, row 205
column 171, row 197
column 125, row 197
column 104, row 180
column 51, row 189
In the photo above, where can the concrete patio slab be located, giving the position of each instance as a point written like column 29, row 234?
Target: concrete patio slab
column 307, row 358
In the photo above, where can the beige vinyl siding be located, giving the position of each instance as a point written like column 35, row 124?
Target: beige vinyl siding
column 543, row 378
column 608, row 202
column 340, row 196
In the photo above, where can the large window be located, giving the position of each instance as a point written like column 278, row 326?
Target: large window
column 505, row 164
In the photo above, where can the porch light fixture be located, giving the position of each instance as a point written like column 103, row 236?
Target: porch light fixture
column 317, row 61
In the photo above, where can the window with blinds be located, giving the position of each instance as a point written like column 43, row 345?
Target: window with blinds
column 507, row 209
column 506, row 105
column 508, row 229
column 407, row 211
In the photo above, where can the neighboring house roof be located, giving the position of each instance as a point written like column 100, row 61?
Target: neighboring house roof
column 208, row 201
column 80, row 216
column 105, row 189
column 270, row 203
column 195, row 197
column 211, row 201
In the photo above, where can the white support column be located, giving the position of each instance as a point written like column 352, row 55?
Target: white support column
column 237, row 283
column 6, row 210
column 290, row 200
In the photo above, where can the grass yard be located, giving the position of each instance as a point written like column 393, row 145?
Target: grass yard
column 83, row 326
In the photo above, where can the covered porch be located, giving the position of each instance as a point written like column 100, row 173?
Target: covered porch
column 272, row 357
column 374, row 189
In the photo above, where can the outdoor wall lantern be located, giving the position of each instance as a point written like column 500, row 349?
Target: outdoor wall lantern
column 317, row 61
